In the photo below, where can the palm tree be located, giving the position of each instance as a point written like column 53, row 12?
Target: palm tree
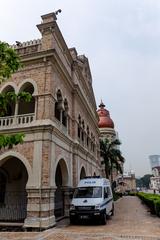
column 112, row 156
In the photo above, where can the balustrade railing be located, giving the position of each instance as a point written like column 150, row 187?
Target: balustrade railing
column 10, row 121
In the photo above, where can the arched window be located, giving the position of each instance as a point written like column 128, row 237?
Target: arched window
column 65, row 113
column 10, row 108
column 93, row 144
column 82, row 173
column 58, row 105
column 23, row 106
column 79, row 126
column 87, row 136
column 83, row 130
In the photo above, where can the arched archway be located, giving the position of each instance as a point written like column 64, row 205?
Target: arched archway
column 23, row 106
column 61, row 180
column 82, row 173
column 13, row 197
column 10, row 108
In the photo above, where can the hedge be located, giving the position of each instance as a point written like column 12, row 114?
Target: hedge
column 152, row 201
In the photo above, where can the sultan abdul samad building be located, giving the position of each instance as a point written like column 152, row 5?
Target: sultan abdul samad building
column 61, row 130
column 60, row 124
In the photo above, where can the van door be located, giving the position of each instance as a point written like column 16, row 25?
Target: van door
column 108, row 199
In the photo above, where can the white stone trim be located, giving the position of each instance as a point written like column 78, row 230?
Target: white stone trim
column 29, row 80
column 35, row 222
column 12, row 84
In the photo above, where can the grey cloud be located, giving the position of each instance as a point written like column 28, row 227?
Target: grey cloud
column 121, row 39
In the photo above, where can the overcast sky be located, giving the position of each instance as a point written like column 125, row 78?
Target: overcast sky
column 121, row 38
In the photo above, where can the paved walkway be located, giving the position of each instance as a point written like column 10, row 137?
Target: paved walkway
column 131, row 221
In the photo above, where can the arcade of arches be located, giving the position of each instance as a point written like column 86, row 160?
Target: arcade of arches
column 21, row 107
column 14, row 195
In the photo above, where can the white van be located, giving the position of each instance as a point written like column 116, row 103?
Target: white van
column 92, row 199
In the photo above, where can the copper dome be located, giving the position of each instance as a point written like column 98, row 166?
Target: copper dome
column 104, row 117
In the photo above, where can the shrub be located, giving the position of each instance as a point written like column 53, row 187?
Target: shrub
column 152, row 201
column 132, row 194
column 157, row 207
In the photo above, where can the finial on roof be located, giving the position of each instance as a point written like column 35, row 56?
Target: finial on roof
column 18, row 44
column 102, row 105
column 58, row 11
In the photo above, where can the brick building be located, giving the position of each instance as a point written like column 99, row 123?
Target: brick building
column 155, row 179
column 127, row 183
column 61, row 130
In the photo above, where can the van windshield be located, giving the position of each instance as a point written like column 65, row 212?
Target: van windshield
column 88, row 192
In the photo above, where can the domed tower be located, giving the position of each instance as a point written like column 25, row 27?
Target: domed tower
column 106, row 127
column 105, row 124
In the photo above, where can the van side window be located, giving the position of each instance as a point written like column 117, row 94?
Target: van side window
column 108, row 191
column 105, row 193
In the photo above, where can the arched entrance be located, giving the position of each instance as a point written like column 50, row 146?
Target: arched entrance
column 61, row 180
column 82, row 173
column 13, row 195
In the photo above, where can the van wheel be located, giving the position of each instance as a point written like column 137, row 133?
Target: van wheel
column 103, row 219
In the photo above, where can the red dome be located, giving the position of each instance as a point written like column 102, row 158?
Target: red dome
column 104, row 117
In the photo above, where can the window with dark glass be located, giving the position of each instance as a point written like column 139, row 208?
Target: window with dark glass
column 88, row 192
column 79, row 126
column 87, row 136
column 65, row 113
column 58, row 105
column 83, row 129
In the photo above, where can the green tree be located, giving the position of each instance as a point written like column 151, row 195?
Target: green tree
column 144, row 181
column 9, row 64
column 9, row 61
column 112, row 156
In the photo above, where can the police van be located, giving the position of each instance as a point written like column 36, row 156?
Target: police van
column 92, row 199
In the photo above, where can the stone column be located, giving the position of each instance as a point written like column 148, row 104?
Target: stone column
column 40, row 208
column 36, row 106
column 68, row 192
column 75, row 167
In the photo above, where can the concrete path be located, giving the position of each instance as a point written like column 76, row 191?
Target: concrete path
column 132, row 220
